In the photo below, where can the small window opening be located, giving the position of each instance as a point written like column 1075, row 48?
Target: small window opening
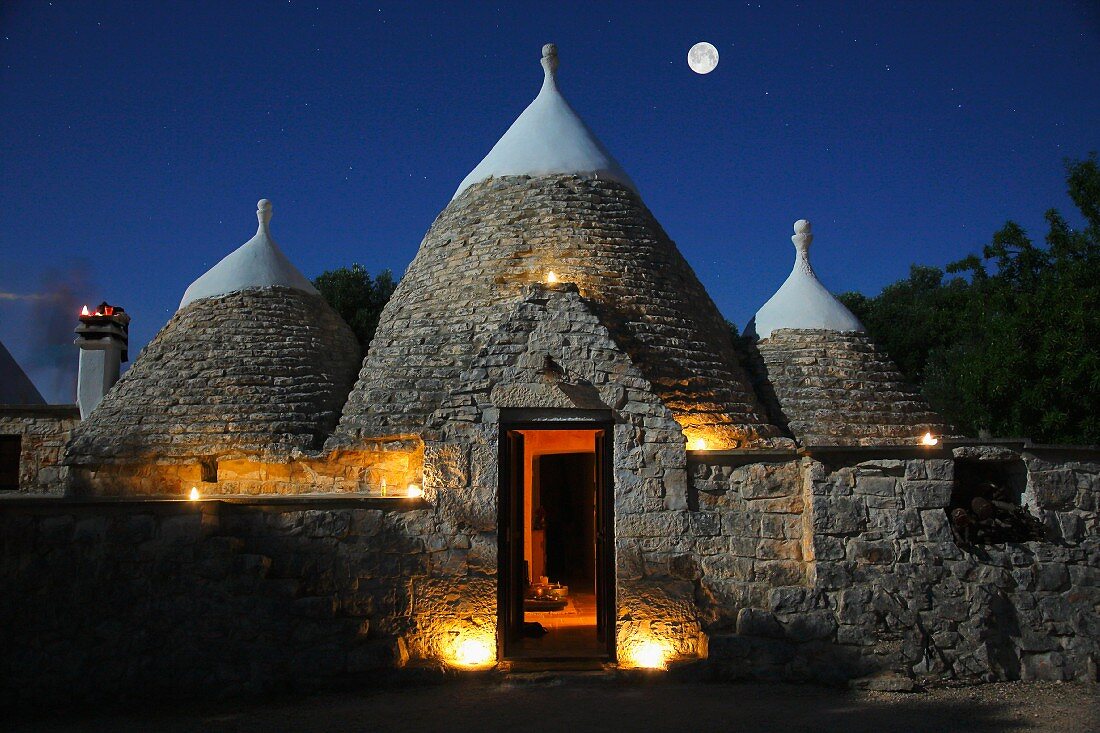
column 986, row 505
column 10, row 447
column 209, row 470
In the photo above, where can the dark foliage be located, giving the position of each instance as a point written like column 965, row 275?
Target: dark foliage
column 1011, row 343
column 357, row 297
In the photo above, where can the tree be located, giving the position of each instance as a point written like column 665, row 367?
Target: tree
column 1011, row 343
column 357, row 297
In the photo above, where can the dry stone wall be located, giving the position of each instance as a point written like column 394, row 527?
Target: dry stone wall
column 826, row 567
column 749, row 535
column 124, row 600
column 43, row 431
column 503, row 234
column 256, row 373
column 838, row 388
column 894, row 598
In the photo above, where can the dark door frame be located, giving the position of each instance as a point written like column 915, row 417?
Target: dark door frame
column 510, row 516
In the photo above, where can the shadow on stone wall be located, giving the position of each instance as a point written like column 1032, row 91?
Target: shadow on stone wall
column 132, row 600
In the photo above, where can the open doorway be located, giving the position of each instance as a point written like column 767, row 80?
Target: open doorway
column 557, row 581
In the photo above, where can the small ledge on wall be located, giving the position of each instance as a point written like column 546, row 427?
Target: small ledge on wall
column 742, row 456
column 869, row 452
column 318, row 501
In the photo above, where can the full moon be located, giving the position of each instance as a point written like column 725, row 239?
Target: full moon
column 702, row 58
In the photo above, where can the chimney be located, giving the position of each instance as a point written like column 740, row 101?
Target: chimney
column 102, row 337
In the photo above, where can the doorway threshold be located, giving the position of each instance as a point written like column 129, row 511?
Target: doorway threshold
column 558, row 664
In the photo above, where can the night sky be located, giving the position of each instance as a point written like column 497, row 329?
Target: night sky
column 136, row 138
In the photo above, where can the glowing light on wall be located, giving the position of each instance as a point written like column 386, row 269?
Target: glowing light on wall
column 473, row 652
column 649, row 654
column 194, row 495
column 929, row 439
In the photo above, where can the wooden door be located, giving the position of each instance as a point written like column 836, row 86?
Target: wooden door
column 510, row 542
column 605, row 543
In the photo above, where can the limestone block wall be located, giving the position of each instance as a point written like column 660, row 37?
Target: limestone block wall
column 748, row 532
column 126, row 599
column 891, row 593
column 43, row 432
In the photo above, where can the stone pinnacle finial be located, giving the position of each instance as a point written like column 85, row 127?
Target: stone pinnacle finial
column 263, row 212
column 802, row 238
column 550, row 59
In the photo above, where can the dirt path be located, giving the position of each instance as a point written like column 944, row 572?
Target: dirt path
column 574, row 707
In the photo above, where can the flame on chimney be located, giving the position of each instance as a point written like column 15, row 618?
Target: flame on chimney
column 102, row 336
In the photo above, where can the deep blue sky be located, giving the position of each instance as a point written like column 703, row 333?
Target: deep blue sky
column 135, row 138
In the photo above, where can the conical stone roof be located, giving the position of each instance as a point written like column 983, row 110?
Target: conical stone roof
column 802, row 301
column 258, row 263
column 260, row 370
column 16, row 388
column 547, row 138
column 505, row 231
column 821, row 375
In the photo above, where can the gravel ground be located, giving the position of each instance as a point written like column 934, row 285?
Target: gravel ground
column 571, row 706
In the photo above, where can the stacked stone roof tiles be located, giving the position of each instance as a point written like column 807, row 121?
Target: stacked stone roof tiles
column 837, row 388
column 257, row 371
column 505, row 233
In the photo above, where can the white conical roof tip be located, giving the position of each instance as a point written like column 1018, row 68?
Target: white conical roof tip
column 550, row 59
column 548, row 138
column 257, row 263
column 802, row 301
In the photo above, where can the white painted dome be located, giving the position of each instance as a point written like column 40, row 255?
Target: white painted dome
column 548, row 137
column 255, row 264
column 802, row 301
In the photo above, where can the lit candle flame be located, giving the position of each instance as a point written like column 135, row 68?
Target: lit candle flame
column 928, row 439
column 415, row 492
column 85, row 312
column 194, row 495
column 699, row 444
column 551, row 277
